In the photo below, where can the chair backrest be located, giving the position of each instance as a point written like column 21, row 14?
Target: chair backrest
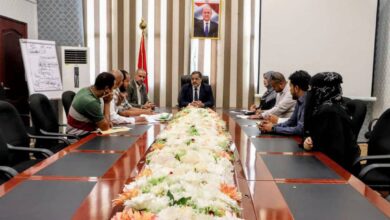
column 357, row 109
column 379, row 142
column 11, row 125
column 67, row 98
column 187, row 79
column 43, row 114
column 4, row 152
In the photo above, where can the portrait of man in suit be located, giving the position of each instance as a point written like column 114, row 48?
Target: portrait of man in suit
column 206, row 19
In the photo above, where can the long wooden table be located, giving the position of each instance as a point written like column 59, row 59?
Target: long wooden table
column 80, row 181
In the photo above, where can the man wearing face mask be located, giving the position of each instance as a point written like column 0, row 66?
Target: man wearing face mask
column 86, row 114
column 196, row 93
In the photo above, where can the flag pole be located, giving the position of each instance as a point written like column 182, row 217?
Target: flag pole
column 142, row 53
column 142, row 26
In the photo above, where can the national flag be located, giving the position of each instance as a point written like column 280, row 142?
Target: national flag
column 142, row 60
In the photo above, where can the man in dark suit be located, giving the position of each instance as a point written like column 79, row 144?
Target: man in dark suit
column 205, row 27
column 196, row 93
column 136, row 92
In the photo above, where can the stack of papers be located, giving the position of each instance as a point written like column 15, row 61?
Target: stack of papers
column 114, row 130
column 158, row 117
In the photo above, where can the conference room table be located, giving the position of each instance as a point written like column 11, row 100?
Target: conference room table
column 277, row 178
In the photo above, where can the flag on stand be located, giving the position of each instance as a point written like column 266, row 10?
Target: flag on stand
column 142, row 60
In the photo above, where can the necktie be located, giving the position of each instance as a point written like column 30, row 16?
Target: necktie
column 196, row 94
column 206, row 30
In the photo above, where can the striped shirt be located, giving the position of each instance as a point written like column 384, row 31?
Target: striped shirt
column 84, row 113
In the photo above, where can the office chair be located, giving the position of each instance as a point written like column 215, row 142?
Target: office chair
column 376, row 172
column 15, row 133
column 67, row 98
column 357, row 109
column 45, row 121
column 11, row 163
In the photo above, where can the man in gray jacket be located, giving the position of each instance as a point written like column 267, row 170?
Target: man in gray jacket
column 136, row 91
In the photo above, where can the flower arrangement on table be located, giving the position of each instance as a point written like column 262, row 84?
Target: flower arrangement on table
column 188, row 174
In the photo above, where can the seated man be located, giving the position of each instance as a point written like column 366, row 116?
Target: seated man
column 86, row 114
column 120, row 97
column 284, row 105
column 267, row 100
column 136, row 91
column 299, row 83
column 196, row 93
column 114, row 116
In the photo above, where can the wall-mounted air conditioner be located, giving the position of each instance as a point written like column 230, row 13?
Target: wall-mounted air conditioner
column 75, row 68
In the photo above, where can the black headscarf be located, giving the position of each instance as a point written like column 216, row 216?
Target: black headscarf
column 325, row 88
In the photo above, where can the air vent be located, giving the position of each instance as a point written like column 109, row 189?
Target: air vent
column 75, row 56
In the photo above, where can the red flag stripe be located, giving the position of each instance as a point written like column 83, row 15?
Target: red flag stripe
column 142, row 61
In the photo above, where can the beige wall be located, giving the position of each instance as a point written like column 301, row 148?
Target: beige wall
column 22, row 10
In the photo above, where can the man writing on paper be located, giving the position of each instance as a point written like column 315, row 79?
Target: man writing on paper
column 86, row 114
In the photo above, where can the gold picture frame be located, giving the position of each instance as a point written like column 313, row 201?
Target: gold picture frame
column 206, row 19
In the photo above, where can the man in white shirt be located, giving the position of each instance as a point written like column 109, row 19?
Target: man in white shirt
column 114, row 116
column 284, row 106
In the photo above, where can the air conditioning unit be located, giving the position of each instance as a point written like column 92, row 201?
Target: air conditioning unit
column 75, row 68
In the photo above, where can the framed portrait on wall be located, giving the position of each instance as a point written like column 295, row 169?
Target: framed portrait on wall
column 206, row 19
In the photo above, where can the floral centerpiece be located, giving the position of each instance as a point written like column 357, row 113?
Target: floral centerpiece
column 187, row 175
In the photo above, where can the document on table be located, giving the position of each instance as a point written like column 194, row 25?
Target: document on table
column 114, row 130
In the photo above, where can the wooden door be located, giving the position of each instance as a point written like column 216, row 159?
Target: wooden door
column 12, row 77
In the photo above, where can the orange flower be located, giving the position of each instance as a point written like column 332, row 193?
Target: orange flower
column 230, row 191
column 125, row 196
column 157, row 146
column 144, row 172
column 134, row 215
column 225, row 155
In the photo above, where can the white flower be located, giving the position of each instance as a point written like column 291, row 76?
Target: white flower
column 188, row 170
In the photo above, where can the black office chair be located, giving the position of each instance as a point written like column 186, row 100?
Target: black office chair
column 376, row 172
column 10, row 159
column 358, row 110
column 45, row 121
column 15, row 133
column 67, row 98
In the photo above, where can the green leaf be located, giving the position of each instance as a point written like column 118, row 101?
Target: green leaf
column 155, row 181
column 182, row 201
column 170, row 195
